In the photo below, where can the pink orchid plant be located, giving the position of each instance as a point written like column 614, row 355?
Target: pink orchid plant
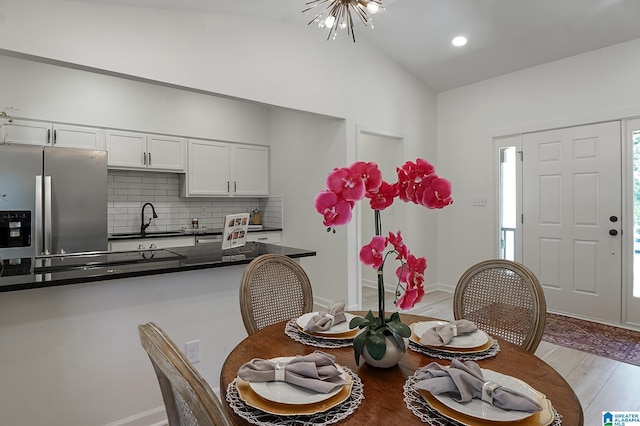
column 417, row 183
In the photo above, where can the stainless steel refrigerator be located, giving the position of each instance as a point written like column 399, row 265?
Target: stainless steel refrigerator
column 52, row 200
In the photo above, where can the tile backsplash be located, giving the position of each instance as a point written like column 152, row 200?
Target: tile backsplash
column 129, row 190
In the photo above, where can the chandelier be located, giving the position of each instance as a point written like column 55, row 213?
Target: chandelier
column 337, row 14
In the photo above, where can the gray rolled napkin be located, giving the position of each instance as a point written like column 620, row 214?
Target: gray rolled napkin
column 442, row 334
column 316, row 371
column 324, row 320
column 464, row 382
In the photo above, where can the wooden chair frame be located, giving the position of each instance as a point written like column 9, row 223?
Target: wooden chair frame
column 273, row 288
column 188, row 398
column 504, row 299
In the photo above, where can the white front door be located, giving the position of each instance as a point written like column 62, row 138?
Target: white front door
column 572, row 218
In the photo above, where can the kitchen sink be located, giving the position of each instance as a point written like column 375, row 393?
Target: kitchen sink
column 147, row 234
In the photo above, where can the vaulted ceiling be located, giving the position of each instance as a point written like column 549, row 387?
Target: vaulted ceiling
column 504, row 35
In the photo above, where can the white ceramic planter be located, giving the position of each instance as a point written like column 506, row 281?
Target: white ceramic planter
column 391, row 357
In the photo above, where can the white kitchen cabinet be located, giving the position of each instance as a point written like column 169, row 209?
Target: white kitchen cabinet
column 250, row 170
column 269, row 237
column 217, row 169
column 142, row 151
column 151, row 243
column 47, row 134
column 207, row 169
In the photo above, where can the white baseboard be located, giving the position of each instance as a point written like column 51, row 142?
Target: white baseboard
column 155, row 417
column 448, row 288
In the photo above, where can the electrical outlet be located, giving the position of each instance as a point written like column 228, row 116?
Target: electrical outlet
column 192, row 351
column 203, row 210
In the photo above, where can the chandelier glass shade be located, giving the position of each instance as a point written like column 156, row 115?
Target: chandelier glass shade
column 338, row 14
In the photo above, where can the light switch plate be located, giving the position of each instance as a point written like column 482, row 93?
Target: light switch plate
column 479, row 201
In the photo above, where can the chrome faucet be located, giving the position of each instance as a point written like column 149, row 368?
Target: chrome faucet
column 144, row 226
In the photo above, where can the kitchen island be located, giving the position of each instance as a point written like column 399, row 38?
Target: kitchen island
column 85, row 334
column 75, row 268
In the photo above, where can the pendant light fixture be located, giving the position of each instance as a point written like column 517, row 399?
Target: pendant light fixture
column 337, row 14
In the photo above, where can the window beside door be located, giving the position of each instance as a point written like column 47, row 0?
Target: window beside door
column 635, row 140
column 507, row 202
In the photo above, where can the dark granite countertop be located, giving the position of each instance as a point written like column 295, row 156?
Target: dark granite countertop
column 178, row 233
column 28, row 273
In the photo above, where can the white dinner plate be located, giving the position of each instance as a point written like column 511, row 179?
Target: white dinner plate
column 485, row 411
column 342, row 327
column 466, row 341
column 286, row 393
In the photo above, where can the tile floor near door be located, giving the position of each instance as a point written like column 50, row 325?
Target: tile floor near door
column 600, row 383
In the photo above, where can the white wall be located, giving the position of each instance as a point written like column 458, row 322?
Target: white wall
column 304, row 149
column 286, row 65
column 595, row 86
column 72, row 356
column 57, row 93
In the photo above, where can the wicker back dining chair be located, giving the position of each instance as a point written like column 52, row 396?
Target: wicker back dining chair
column 504, row 299
column 274, row 288
column 188, row 398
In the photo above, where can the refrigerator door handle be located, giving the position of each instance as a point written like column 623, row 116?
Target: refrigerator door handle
column 37, row 229
column 47, row 215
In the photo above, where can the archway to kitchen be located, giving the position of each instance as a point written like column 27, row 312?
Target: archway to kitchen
column 387, row 150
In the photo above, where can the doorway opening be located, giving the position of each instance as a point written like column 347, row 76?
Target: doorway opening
column 385, row 149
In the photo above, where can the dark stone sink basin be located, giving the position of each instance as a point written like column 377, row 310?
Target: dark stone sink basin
column 147, row 234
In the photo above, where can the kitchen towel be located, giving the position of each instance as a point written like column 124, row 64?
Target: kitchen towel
column 316, row 371
column 464, row 382
column 442, row 334
column 324, row 320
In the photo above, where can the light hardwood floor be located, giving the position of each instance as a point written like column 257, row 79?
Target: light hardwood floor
column 600, row 383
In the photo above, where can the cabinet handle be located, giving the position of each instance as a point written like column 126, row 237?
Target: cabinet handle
column 48, row 135
column 235, row 186
column 55, row 136
column 149, row 158
column 144, row 158
column 227, row 186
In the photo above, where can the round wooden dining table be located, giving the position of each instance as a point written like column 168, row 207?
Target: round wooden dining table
column 383, row 388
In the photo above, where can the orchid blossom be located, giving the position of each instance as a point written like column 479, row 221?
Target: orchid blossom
column 417, row 183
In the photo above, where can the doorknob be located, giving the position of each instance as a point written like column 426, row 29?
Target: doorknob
column 613, row 218
column 613, row 232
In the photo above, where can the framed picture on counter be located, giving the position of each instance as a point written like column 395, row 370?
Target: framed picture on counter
column 235, row 230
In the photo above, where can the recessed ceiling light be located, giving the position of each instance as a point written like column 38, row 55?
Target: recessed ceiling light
column 459, row 41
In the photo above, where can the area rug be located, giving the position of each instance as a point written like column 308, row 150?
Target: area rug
column 607, row 341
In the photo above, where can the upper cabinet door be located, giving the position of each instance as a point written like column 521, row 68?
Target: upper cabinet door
column 140, row 151
column 166, row 153
column 251, row 166
column 27, row 133
column 217, row 169
column 78, row 137
column 126, row 150
column 208, row 169
column 47, row 134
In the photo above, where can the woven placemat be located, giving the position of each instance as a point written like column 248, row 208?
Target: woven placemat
column 331, row 416
column 292, row 330
column 419, row 406
column 462, row 356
